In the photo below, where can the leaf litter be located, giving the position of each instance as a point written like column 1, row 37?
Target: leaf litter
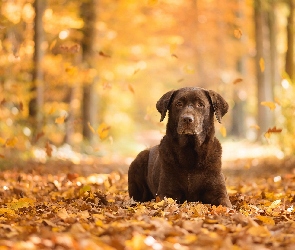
column 67, row 210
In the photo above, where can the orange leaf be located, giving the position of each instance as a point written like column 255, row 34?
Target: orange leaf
column 91, row 128
column 238, row 80
column 11, row 142
column 270, row 105
column 272, row 130
column 131, row 88
column 238, row 33
column 60, row 119
column 103, row 130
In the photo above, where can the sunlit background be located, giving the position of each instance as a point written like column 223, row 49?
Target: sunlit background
column 81, row 78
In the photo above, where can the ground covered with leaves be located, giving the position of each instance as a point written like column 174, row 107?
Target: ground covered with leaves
column 48, row 207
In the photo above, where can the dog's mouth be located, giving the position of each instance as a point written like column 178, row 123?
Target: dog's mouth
column 185, row 130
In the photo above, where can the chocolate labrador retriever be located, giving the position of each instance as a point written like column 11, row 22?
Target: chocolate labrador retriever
column 186, row 166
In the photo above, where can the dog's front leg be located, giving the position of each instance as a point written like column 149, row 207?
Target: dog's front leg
column 167, row 189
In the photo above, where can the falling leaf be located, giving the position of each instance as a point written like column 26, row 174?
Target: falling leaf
column 38, row 136
column 2, row 156
column 255, row 126
column 103, row 130
column 131, row 89
column 270, row 105
column 48, row 149
column 238, row 33
column 238, row 80
column 52, row 45
column 262, row 64
column 223, row 131
column 272, row 130
column 21, row 106
column 60, row 120
column 11, row 142
column 2, row 141
column 101, row 53
column 90, row 127
column 173, row 55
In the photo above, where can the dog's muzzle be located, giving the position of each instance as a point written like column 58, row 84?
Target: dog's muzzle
column 189, row 125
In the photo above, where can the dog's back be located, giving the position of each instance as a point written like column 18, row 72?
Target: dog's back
column 137, row 173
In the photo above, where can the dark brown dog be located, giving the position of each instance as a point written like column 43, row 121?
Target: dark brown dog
column 186, row 166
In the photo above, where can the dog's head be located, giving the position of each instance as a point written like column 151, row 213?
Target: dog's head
column 191, row 110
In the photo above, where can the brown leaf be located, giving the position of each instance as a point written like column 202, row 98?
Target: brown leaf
column 48, row 149
column 238, row 33
column 238, row 80
column 21, row 106
column 101, row 53
column 131, row 89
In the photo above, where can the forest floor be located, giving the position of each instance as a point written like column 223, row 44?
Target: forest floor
column 62, row 205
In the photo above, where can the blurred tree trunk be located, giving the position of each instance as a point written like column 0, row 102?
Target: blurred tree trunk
column 264, row 86
column 37, row 89
column 290, row 42
column 274, row 67
column 89, row 102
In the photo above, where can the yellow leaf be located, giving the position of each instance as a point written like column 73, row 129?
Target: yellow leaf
column 60, row 120
column 255, row 126
column 103, row 130
column 21, row 203
column 2, row 141
column 52, row 110
column 91, row 128
column 11, row 142
column 223, row 131
column 270, row 105
column 266, row 220
column 262, row 64
column 63, row 214
column 260, row 231
column 275, row 204
column 188, row 70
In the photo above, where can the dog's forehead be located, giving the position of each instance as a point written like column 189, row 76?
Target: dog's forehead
column 191, row 93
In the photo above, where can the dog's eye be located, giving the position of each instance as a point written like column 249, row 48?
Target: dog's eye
column 200, row 105
column 179, row 104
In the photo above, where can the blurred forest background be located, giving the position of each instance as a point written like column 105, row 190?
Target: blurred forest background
column 84, row 76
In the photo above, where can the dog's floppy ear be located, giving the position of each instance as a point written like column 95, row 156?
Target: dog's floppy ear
column 164, row 102
column 220, row 106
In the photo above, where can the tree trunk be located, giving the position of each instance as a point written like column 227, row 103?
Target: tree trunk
column 89, row 102
column 264, row 86
column 37, row 90
column 290, row 41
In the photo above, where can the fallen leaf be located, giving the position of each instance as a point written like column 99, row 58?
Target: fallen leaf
column 266, row 220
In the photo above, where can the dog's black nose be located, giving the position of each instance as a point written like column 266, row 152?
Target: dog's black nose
column 188, row 118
